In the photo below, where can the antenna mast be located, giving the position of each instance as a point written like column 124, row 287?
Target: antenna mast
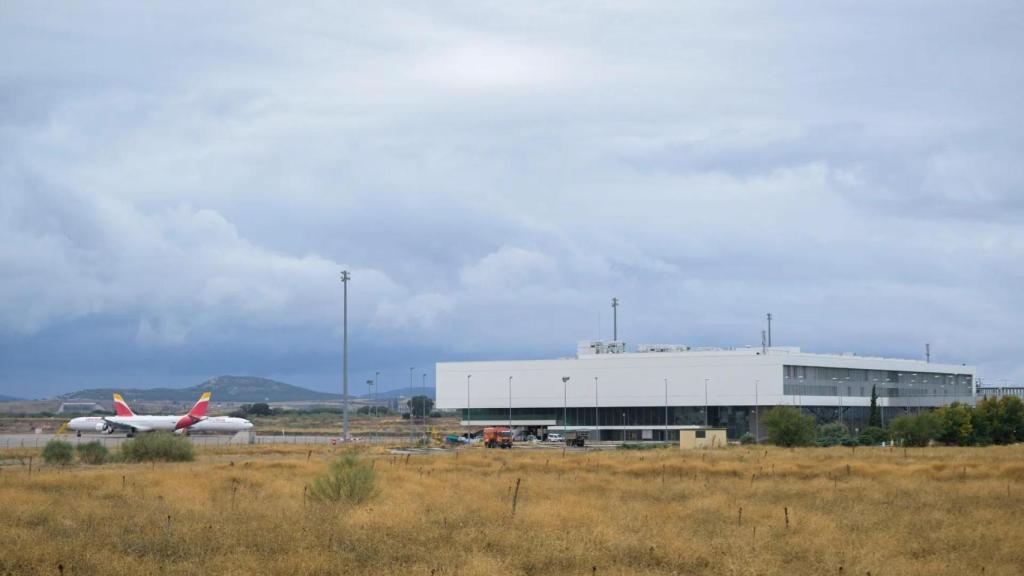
column 615, row 319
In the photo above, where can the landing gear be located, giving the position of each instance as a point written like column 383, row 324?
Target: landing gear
column 130, row 434
column 78, row 434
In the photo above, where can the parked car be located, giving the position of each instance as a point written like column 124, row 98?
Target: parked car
column 555, row 437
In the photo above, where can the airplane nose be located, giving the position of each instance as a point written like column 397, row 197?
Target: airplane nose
column 248, row 425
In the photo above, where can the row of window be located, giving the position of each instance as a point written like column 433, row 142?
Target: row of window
column 738, row 420
column 873, row 376
column 798, row 389
column 824, row 381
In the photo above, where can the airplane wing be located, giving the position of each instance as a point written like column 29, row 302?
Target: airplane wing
column 115, row 425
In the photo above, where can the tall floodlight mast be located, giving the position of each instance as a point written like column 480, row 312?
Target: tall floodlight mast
column 344, row 362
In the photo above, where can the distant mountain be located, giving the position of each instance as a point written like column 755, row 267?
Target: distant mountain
column 224, row 389
column 392, row 394
column 4, row 398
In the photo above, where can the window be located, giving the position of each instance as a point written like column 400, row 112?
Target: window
column 700, row 434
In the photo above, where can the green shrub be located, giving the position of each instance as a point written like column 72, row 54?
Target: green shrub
column 748, row 438
column 917, row 430
column 872, row 436
column 92, row 452
column 58, row 452
column 955, row 424
column 832, row 434
column 347, row 480
column 788, row 427
column 158, row 447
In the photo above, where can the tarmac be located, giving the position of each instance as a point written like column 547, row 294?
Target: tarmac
column 114, row 440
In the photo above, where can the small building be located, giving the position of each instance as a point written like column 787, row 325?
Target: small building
column 79, row 408
column 702, row 438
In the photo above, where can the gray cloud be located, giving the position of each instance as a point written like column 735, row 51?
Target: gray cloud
column 188, row 183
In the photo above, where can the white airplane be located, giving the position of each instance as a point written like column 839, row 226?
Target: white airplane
column 130, row 422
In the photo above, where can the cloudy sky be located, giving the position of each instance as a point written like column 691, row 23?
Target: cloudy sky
column 181, row 186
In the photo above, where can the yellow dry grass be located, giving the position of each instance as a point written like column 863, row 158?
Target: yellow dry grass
column 243, row 511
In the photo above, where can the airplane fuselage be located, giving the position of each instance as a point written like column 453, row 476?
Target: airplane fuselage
column 108, row 424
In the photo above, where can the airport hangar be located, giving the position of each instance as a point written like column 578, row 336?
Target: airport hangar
column 654, row 392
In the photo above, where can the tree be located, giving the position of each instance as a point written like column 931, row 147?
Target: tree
column 261, row 409
column 787, row 427
column 1011, row 419
column 999, row 420
column 875, row 416
column 955, row 422
column 872, row 436
column 420, row 405
column 257, row 409
column 984, row 418
column 832, row 434
column 916, row 430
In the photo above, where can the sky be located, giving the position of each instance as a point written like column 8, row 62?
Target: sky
column 182, row 183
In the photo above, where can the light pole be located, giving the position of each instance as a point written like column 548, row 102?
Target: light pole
column 666, row 411
column 369, row 384
column 412, row 405
column 706, row 402
column 426, row 413
column 757, row 413
column 565, row 403
column 344, row 386
column 376, row 379
column 839, row 393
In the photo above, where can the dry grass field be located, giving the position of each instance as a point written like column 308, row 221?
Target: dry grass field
column 243, row 511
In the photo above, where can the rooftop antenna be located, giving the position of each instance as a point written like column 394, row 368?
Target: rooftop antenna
column 615, row 319
column 764, row 343
column 769, row 329
column 927, row 352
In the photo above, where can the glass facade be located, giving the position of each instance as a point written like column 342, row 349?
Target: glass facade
column 737, row 420
column 823, row 381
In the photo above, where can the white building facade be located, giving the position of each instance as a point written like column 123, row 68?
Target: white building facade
column 654, row 392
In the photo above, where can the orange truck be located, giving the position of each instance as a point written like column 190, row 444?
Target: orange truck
column 497, row 437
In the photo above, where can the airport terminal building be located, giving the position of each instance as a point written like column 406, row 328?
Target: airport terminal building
column 654, row 392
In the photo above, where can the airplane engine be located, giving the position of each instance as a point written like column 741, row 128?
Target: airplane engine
column 103, row 428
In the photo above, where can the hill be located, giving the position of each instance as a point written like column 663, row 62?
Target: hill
column 4, row 398
column 397, row 392
column 224, row 389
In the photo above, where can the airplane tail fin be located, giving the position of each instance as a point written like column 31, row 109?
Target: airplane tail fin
column 198, row 411
column 120, row 407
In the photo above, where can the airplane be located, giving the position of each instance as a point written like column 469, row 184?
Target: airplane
column 126, row 420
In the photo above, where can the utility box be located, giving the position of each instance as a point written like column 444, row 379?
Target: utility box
column 702, row 438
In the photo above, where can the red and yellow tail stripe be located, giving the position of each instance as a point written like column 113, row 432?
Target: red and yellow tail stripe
column 197, row 413
column 121, row 407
